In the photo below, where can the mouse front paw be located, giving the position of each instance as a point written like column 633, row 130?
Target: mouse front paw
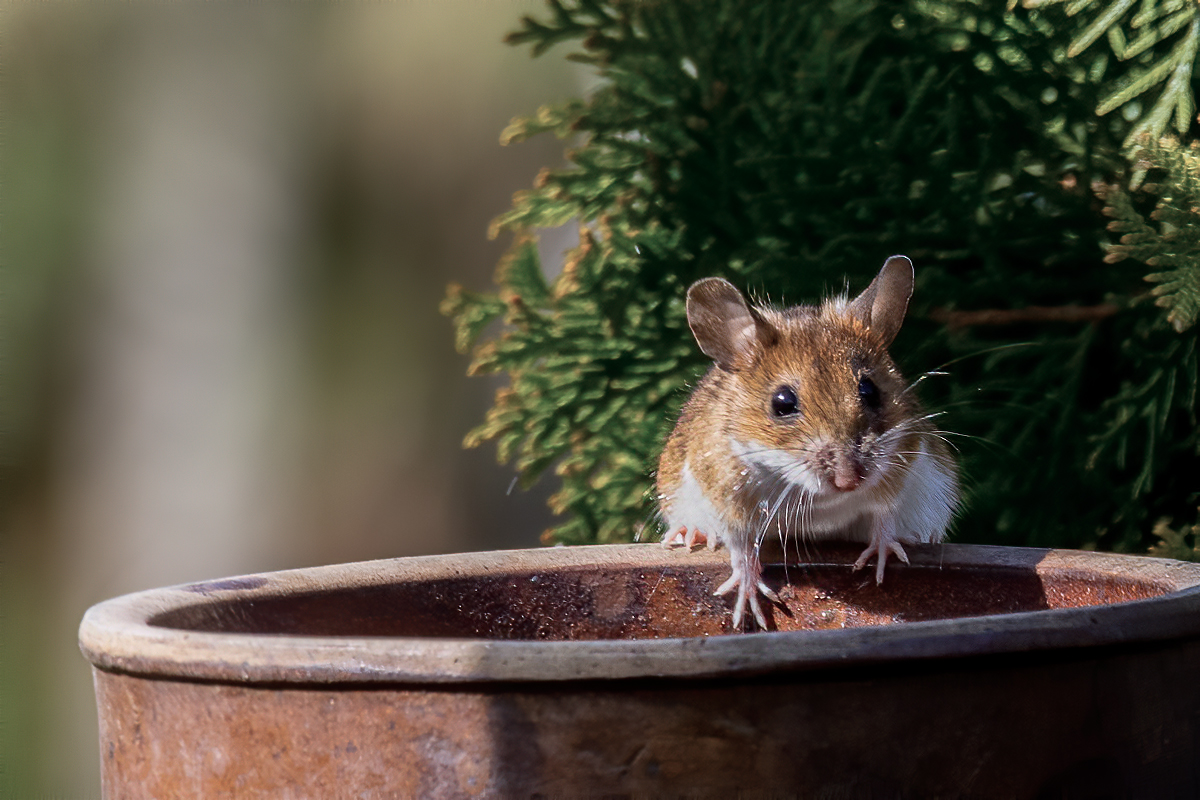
column 749, row 585
column 688, row 537
column 883, row 543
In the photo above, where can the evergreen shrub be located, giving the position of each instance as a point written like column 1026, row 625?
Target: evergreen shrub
column 791, row 147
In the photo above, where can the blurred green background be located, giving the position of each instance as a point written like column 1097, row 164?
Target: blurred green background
column 225, row 231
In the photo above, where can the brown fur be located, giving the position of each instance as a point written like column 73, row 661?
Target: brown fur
column 823, row 354
column 837, row 467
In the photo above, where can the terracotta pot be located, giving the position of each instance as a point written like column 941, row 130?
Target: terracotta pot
column 980, row 671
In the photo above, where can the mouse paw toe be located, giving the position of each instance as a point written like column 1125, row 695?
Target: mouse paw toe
column 687, row 537
column 881, row 547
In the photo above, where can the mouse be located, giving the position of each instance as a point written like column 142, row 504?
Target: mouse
column 803, row 427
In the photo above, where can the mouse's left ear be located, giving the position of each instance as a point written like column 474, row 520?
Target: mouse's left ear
column 883, row 305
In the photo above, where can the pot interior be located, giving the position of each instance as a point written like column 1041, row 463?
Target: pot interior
column 673, row 598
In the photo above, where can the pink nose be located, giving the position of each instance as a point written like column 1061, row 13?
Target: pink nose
column 847, row 475
column 846, row 482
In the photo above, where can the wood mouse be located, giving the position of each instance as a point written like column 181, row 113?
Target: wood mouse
column 805, row 428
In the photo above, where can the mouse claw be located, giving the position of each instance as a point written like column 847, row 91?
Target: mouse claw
column 882, row 545
column 689, row 538
column 769, row 593
column 894, row 548
column 747, row 594
column 739, row 609
column 756, row 608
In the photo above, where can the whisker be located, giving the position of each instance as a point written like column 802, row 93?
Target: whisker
column 987, row 351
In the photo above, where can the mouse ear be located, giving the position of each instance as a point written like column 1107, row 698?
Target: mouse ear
column 725, row 327
column 883, row 305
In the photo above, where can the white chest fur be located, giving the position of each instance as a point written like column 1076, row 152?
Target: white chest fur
column 793, row 502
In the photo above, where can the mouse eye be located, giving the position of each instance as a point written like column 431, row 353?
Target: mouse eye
column 868, row 394
column 785, row 403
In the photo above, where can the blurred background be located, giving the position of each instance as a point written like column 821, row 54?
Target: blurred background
column 225, row 232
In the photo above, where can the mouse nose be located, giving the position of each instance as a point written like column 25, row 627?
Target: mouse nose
column 846, row 481
column 846, row 473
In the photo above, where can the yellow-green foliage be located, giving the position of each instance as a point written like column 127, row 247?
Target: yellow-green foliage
column 1171, row 246
column 1182, row 543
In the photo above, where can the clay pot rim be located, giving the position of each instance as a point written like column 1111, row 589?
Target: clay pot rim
column 116, row 635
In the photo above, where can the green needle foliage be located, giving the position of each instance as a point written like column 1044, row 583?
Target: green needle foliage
column 1158, row 39
column 1174, row 244
column 791, row 147
column 1163, row 381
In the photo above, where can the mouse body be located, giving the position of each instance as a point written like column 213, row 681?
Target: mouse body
column 803, row 428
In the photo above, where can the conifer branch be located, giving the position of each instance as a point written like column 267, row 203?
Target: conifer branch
column 1173, row 246
column 789, row 147
column 1152, row 28
column 957, row 320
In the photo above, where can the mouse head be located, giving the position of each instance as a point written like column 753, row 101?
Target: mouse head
column 809, row 381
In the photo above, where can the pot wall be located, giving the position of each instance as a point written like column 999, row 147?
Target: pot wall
column 1017, row 726
column 975, row 671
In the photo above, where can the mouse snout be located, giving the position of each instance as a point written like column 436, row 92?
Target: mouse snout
column 845, row 471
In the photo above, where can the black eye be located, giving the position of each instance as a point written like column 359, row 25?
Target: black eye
column 784, row 402
column 868, row 394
